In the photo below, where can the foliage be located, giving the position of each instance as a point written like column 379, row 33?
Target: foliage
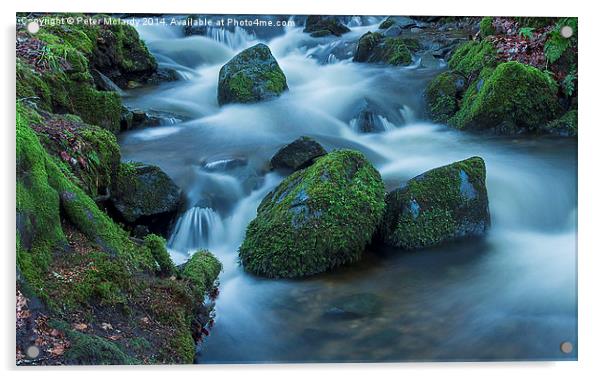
column 486, row 27
column 556, row 44
column 526, row 32
column 156, row 245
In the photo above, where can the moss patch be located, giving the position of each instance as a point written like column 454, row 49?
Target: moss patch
column 202, row 270
column 470, row 58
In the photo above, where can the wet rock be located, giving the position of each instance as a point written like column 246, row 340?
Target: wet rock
column 429, row 61
column 355, row 306
column 318, row 218
column 367, row 119
column 440, row 205
column 251, row 76
column 144, row 195
column 162, row 75
column 226, row 164
column 297, row 154
column 321, row 26
column 399, row 21
column 376, row 48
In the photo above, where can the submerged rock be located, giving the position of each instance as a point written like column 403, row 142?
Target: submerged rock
column 251, row 76
column 145, row 195
column 367, row 119
column 440, row 205
column 321, row 26
column 377, row 48
column 318, row 218
column 297, row 154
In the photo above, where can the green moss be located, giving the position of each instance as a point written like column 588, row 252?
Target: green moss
column 396, row 52
column 31, row 86
column 44, row 192
column 93, row 350
column 535, row 22
column 318, row 218
column 512, row 97
column 566, row 126
column 182, row 348
column 470, row 57
column 156, row 245
column 486, row 27
column 202, row 270
column 366, row 45
column 442, row 96
column 275, row 80
column 241, row 87
column 442, row 204
column 38, row 218
column 139, row 345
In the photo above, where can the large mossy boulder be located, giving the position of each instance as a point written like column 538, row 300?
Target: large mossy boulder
column 377, row 48
column 440, row 205
column 144, row 194
column 321, row 26
column 511, row 99
column 297, row 155
column 318, row 218
column 251, row 76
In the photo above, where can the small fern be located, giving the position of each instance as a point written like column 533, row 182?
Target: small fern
column 526, row 32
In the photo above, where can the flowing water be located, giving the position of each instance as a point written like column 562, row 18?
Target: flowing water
column 511, row 295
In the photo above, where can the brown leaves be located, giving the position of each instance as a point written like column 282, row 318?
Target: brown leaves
column 22, row 312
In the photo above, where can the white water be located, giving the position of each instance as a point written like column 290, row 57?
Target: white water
column 514, row 291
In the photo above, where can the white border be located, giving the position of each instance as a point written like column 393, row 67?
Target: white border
column 590, row 267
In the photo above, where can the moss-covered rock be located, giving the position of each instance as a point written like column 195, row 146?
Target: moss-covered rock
column 316, row 219
column 486, row 27
column 376, row 48
column 321, row 26
column 144, row 194
column 297, row 155
column 54, row 68
column 156, row 245
column 511, row 99
column 442, row 204
column 400, row 21
column 565, row 126
column 202, row 269
column 443, row 94
column 251, row 76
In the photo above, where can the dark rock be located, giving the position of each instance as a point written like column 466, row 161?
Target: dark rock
column 225, row 164
column 367, row 120
column 320, row 26
column 297, row 154
column 162, row 75
column 251, row 76
column 376, row 48
column 440, row 205
column 144, row 195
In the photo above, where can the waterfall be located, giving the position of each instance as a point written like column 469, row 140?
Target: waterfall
column 196, row 228
column 237, row 39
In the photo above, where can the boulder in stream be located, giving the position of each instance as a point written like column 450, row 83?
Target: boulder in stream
column 297, row 155
column 321, row 26
column 443, row 204
column 251, row 76
column 317, row 219
column 377, row 48
column 144, row 195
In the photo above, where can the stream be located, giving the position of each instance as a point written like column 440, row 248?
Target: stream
column 509, row 296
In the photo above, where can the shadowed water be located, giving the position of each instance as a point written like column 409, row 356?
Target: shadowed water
column 511, row 295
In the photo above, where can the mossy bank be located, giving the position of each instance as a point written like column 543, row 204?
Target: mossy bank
column 93, row 294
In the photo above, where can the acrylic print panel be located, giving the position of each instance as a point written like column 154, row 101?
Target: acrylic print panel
column 232, row 188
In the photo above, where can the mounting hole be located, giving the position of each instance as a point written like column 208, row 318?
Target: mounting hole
column 566, row 31
column 566, row 347
column 33, row 27
column 33, row 352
